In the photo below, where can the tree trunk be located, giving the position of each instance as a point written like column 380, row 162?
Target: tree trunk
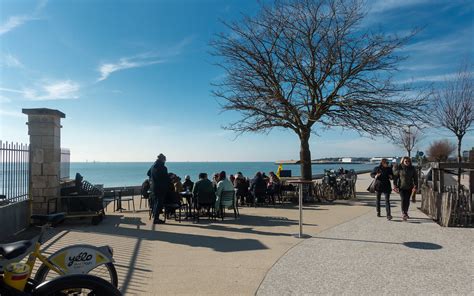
column 305, row 157
column 409, row 154
column 459, row 161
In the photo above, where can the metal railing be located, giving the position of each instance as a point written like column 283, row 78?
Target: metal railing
column 65, row 163
column 14, row 172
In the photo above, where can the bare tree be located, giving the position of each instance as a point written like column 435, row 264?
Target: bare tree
column 407, row 138
column 304, row 65
column 440, row 150
column 454, row 105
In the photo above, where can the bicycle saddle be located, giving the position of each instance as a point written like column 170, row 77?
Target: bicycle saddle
column 52, row 218
column 12, row 250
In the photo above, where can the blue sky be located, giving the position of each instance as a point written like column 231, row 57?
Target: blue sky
column 134, row 77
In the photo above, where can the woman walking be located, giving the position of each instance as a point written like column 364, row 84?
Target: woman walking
column 383, row 174
column 405, row 180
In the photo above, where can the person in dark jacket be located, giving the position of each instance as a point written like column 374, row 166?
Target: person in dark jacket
column 188, row 184
column 405, row 181
column 383, row 174
column 258, row 188
column 160, row 186
column 242, row 186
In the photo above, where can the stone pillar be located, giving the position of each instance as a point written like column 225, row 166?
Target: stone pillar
column 44, row 129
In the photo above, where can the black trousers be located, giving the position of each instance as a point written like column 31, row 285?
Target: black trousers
column 405, row 197
column 158, row 201
column 387, row 202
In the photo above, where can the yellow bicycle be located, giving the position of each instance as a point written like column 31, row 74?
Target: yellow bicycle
column 74, row 259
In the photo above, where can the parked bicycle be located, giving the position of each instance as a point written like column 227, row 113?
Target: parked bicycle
column 74, row 259
column 76, row 284
column 336, row 186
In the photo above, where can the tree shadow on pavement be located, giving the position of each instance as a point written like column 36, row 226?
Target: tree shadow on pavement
column 217, row 227
column 266, row 221
column 111, row 226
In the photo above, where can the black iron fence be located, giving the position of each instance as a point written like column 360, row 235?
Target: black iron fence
column 14, row 172
column 65, row 163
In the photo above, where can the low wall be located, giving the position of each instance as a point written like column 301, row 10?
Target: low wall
column 13, row 218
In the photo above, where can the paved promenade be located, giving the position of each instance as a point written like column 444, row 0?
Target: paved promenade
column 351, row 252
column 372, row 256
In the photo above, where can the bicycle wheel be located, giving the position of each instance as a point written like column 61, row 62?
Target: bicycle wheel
column 76, row 284
column 105, row 271
column 329, row 194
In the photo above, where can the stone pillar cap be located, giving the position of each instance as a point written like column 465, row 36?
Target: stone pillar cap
column 43, row 111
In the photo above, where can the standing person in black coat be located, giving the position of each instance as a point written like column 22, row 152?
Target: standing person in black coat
column 160, row 186
column 383, row 174
column 406, row 179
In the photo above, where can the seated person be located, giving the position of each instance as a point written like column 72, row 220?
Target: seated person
column 224, row 184
column 273, row 186
column 188, row 184
column 242, row 187
column 215, row 180
column 203, row 192
column 172, row 199
column 178, row 186
column 258, row 187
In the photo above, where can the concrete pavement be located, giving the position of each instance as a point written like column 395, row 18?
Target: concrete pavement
column 350, row 252
column 373, row 256
column 229, row 257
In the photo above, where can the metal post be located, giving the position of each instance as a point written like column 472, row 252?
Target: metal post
column 301, row 211
column 300, row 232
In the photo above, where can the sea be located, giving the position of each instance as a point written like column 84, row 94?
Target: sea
column 112, row 174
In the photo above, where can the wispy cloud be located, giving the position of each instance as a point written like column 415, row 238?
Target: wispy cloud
column 17, row 20
column 13, row 22
column 57, row 90
column 430, row 78
column 126, row 63
column 385, row 5
column 10, row 90
column 11, row 113
column 143, row 59
column 10, row 61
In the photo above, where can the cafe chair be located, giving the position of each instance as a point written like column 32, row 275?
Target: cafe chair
column 228, row 200
column 109, row 197
column 128, row 195
column 172, row 205
column 144, row 197
column 206, row 201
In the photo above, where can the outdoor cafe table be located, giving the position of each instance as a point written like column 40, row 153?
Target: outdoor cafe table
column 118, row 192
column 301, row 182
column 188, row 195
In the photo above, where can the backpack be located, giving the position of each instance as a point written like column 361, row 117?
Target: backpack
column 145, row 189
